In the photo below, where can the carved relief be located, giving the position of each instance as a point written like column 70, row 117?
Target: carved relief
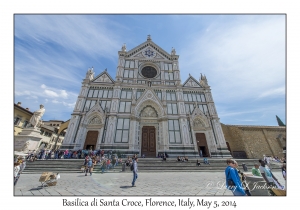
column 198, row 124
column 139, row 55
column 148, row 112
column 151, row 103
column 192, row 83
column 103, row 78
column 95, row 121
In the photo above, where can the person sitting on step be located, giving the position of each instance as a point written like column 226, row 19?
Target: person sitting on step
column 206, row 161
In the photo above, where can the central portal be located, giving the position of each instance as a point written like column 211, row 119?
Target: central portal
column 148, row 141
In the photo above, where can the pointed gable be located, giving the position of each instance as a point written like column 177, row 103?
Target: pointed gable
column 148, row 50
column 95, row 116
column 149, row 97
column 104, row 77
column 191, row 82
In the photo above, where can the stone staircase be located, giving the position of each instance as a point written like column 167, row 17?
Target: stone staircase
column 144, row 165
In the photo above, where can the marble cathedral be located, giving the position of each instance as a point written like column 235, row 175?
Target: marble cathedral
column 146, row 109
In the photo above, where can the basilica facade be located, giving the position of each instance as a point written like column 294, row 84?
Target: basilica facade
column 146, row 109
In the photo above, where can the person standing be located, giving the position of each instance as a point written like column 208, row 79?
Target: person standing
column 233, row 181
column 135, row 170
column 283, row 169
column 242, row 178
column 267, row 174
column 255, row 170
column 16, row 172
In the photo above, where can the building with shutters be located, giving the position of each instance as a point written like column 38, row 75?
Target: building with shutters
column 147, row 109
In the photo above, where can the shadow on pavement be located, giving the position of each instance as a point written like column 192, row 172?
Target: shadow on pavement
column 38, row 188
column 125, row 187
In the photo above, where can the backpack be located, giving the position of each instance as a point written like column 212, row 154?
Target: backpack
column 132, row 167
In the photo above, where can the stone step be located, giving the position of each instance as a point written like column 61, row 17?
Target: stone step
column 144, row 164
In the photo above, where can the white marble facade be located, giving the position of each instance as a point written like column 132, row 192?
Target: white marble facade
column 147, row 91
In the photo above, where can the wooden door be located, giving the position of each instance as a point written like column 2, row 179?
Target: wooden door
column 148, row 141
column 202, row 144
column 91, row 140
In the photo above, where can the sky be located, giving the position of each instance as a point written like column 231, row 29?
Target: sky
column 242, row 56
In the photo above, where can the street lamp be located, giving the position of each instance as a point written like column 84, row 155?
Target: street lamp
column 57, row 137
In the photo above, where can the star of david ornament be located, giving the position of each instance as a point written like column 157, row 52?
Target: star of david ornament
column 149, row 53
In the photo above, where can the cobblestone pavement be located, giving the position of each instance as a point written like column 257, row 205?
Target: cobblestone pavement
column 119, row 184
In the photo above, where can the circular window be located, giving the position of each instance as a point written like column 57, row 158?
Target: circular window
column 149, row 72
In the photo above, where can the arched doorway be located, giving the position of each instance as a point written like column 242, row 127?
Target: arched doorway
column 148, row 141
column 202, row 145
column 91, row 140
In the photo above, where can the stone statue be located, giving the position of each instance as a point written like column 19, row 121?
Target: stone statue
column 90, row 74
column 37, row 115
column 25, row 147
column 124, row 47
column 173, row 52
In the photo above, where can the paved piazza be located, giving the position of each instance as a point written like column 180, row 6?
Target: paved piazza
column 116, row 184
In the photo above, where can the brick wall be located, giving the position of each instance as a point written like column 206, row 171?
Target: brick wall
column 255, row 140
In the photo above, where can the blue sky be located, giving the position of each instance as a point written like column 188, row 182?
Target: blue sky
column 242, row 56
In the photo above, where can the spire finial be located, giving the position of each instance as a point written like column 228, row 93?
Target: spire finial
column 173, row 52
column 149, row 37
column 124, row 47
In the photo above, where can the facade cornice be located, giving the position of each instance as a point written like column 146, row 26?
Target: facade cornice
column 22, row 109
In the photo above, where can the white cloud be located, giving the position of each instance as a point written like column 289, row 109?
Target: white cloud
column 55, row 101
column 241, row 58
column 69, row 105
column 51, row 93
column 43, row 86
column 63, row 94
column 272, row 92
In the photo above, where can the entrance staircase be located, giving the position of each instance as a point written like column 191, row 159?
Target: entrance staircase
column 144, row 165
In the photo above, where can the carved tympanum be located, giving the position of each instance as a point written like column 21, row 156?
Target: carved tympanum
column 148, row 112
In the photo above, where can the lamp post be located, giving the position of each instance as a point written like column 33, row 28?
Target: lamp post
column 57, row 137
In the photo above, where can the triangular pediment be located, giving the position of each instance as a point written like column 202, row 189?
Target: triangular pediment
column 198, row 119
column 149, row 97
column 104, row 77
column 95, row 115
column 148, row 50
column 191, row 82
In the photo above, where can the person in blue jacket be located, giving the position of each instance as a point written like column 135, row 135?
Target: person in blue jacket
column 232, row 174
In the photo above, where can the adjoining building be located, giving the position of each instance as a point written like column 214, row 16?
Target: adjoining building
column 253, row 141
column 52, row 132
column 146, row 109
column 21, row 118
